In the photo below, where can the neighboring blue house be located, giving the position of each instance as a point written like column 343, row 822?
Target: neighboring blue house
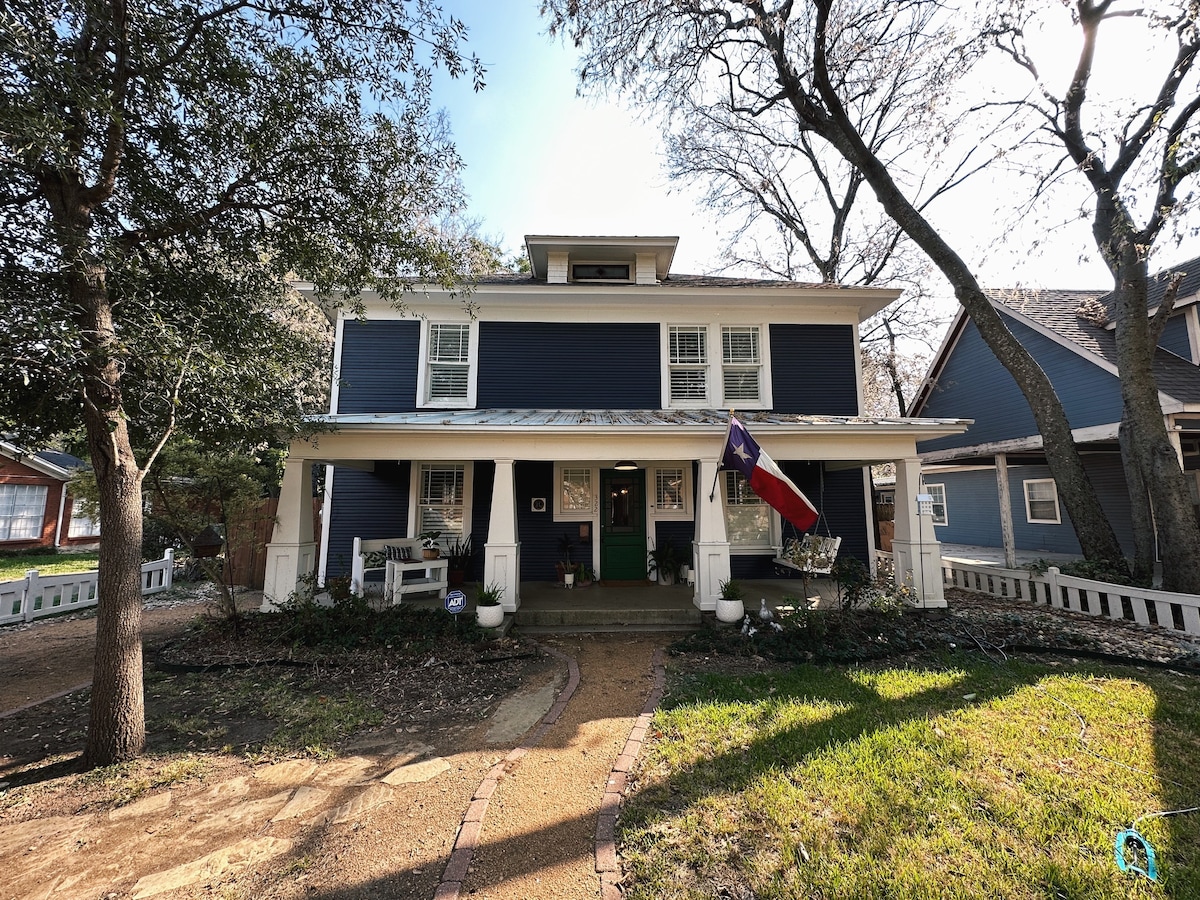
column 590, row 398
column 1069, row 334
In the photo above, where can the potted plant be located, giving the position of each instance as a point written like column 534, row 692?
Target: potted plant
column 729, row 604
column 565, row 568
column 584, row 575
column 664, row 564
column 429, row 544
column 458, row 555
column 488, row 611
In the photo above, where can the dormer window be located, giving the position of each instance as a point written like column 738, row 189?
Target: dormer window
column 618, row 272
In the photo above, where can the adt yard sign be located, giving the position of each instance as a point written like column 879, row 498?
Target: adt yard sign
column 456, row 602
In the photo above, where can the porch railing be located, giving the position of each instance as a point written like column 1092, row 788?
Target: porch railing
column 35, row 595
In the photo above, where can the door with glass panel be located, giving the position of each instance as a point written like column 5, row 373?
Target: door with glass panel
column 622, row 525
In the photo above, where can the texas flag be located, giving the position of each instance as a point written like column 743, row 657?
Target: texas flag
column 766, row 478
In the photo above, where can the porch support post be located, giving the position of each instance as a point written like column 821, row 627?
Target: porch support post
column 292, row 553
column 915, row 548
column 1004, row 496
column 502, row 553
column 711, row 547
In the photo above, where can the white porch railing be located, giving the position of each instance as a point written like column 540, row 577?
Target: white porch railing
column 35, row 595
column 1176, row 612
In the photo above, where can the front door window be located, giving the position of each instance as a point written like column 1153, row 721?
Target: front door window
column 623, row 525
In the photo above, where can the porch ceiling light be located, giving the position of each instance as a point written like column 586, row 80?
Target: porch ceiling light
column 626, row 465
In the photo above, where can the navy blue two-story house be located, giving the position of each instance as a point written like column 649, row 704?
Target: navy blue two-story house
column 991, row 485
column 508, row 421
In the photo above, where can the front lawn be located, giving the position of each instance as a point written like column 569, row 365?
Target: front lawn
column 15, row 567
column 962, row 779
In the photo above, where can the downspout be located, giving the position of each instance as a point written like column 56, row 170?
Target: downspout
column 62, row 508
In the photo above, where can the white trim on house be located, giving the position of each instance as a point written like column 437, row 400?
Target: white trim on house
column 714, row 364
column 1016, row 445
column 936, row 490
column 16, row 454
column 424, row 401
column 336, row 387
column 1192, row 318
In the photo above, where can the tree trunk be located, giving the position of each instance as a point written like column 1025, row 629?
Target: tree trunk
column 1140, row 515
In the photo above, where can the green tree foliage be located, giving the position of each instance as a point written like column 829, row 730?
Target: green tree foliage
column 164, row 169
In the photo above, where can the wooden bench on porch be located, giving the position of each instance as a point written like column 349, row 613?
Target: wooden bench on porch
column 401, row 576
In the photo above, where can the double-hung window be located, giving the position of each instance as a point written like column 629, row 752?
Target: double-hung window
column 22, row 510
column 85, row 521
column 672, row 492
column 938, row 493
column 1041, row 502
column 689, row 365
column 741, row 364
column 441, row 500
column 747, row 516
column 446, row 377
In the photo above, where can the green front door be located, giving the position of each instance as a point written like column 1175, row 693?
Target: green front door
column 622, row 525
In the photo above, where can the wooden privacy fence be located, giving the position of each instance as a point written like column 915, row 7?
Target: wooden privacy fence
column 1177, row 612
column 37, row 595
column 246, row 546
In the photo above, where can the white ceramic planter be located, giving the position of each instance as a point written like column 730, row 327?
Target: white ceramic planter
column 569, row 579
column 489, row 616
column 729, row 610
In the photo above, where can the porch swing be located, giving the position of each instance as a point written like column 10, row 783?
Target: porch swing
column 813, row 554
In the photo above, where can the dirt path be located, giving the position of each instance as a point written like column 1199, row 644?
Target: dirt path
column 382, row 820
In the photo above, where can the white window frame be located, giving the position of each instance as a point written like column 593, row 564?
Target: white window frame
column 938, row 492
column 1025, row 485
column 714, row 366
column 83, row 523
column 415, row 505
column 425, row 367
column 563, row 514
column 10, row 497
column 652, row 476
column 771, row 541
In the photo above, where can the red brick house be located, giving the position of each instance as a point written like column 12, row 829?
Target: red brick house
column 36, row 508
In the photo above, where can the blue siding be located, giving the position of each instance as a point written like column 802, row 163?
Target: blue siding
column 974, row 518
column 812, row 370
column 571, row 365
column 481, row 514
column 539, row 533
column 974, row 385
column 379, row 366
column 1175, row 337
column 366, row 505
column 680, row 534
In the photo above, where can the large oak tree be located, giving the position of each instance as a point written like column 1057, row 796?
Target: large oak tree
column 164, row 168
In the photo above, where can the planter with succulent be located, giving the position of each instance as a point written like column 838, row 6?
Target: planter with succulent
column 429, row 544
column 664, row 564
column 729, row 605
column 459, row 554
column 488, row 611
column 565, row 568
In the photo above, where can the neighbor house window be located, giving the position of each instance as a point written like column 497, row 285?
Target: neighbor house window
column 938, row 492
column 747, row 516
column 577, row 494
column 447, row 365
column 1041, row 502
column 689, row 364
column 85, row 522
column 441, row 501
column 22, row 511
column 741, row 363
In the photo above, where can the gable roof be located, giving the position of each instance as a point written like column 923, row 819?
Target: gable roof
column 1189, row 288
column 49, row 462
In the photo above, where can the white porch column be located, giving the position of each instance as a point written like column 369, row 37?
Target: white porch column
column 1004, row 496
column 916, row 553
column 292, row 553
column 711, row 548
column 502, row 553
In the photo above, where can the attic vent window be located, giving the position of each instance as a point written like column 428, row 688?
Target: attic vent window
column 600, row 272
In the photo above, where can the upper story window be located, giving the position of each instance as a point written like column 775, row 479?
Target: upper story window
column 447, row 363
column 1041, row 501
column 22, row 510
column 696, row 377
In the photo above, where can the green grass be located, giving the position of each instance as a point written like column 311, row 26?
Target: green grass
column 13, row 568
column 971, row 780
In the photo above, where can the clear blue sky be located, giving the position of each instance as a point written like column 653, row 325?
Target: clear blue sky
column 540, row 160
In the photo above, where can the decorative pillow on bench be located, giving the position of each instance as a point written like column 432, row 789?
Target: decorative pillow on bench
column 374, row 559
column 398, row 554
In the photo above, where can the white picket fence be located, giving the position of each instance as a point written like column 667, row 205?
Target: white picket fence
column 1176, row 612
column 35, row 595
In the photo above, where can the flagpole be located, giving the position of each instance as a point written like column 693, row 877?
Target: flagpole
column 717, row 474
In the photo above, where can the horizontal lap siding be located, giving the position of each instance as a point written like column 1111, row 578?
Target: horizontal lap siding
column 368, row 505
column 974, row 385
column 1035, row 535
column 571, row 365
column 378, row 371
column 481, row 514
column 812, row 370
column 972, row 510
column 538, row 532
column 1175, row 337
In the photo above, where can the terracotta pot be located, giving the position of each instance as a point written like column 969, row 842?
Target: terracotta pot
column 489, row 616
column 430, row 552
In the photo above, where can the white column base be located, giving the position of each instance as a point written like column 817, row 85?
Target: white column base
column 502, row 566
column 712, row 568
column 920, row 564
column 286, row 565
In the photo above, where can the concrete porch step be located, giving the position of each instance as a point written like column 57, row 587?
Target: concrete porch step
column 583, row 614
